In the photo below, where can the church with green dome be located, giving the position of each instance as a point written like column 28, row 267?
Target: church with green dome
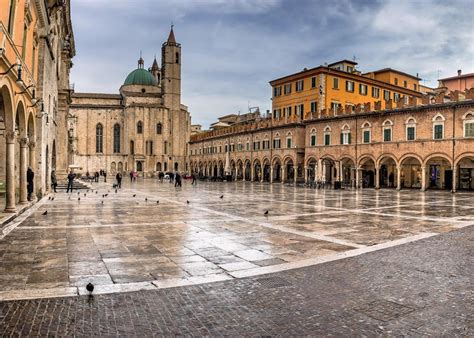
column 143, row 128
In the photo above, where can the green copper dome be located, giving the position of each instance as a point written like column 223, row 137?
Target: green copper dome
column 140, row 77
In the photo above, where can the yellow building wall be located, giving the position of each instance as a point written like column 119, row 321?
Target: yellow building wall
column 14, row 43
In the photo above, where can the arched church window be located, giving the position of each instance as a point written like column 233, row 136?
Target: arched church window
column 132, row 148
column 158, row 128
column 139, row 127
column 99, row 138
column 117, row 138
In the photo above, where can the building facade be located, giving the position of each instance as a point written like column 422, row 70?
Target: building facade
column 36, row 48
column 144, row 128
column 424, row 147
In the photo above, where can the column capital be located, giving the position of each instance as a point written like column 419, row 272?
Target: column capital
column 24, row 142
column 32, row 144
column 10, row 136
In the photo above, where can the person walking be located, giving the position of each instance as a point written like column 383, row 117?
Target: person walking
column 70, row 180
column 177, row 180
column 105, row 176
column 193, row 176
column 131, row 175
column 96, row 176
column 54, row 180
column 30, row 175
column 118, row 177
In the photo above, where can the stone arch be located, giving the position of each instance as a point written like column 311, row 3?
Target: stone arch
column 287, row 159
column 386, row 156
column 442, row 155
column 410, row 171
column 327, row 157
column 257, row 169
column 276, row 159
column 462, row 156
column 31, row 127
column 438, row 118
column 311, row 159
column 387, row 165
column 365, row 157
column 408, row 155
column 20, row 118
column 6, row 104
column 247, row 170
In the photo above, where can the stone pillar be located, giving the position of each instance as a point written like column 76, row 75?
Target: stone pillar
column 271, row 174
column 243, row 173
column 399, row 178
column 357, row 178
column 23, row 169
column 282, row 174
column 262, row 174
column 377, row 178
column 316, row 170
column 10, row 172
column 236, row 171
column 306, row 174
column 252, row 173
column 320, row 170
column 455, row 178
column 423, row 178
column 32, row 164
column 339, row 175
column 323, row 175
column 295, row 173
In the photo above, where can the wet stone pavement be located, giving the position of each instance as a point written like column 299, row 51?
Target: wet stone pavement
column 422, row 288
column 128, row 241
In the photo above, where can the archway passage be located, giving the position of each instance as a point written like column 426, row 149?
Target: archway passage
column 439, row 173
column 367, row 165
column 311, row 170
column 266, row 171
column 257, row 171
column 411, row 173
column 465, row 169
column 328, row 170
column 290, row 171
column 388, row 173
column 248, row 170
column 277, row 171
column 348, row 171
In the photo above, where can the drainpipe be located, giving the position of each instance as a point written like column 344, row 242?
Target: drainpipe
column 454, row 176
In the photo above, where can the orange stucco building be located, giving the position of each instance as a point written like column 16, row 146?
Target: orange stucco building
column 329, row 90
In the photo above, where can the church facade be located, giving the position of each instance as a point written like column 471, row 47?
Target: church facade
column 144, row 128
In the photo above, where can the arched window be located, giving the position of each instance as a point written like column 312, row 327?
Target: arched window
column 438, row 127
column 327, row 136
column 366, row 132
column 158, row 166
column 468, row 124
column 346, row 134
column 158, row 128
column 99, row 138
column 116, row 138
column 289, row 140
column 132, row 147
column 410, row 129
column 139, row 127
column 312, row 137
column 387, row 130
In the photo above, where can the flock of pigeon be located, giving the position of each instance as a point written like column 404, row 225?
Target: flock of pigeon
column 90, row 286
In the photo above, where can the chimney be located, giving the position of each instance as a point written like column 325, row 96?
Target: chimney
column 459, row 72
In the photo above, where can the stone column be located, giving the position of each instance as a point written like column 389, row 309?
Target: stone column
column 399, row 178
column 423, row 178
column 10, row 172
column 305, row 174
column 252, row 173
column 282, row 174
column 295, row 173
column 455, row 178
column 357, row 178
column 236, row 170
column 323, row 175
column 377, row 178
column 271, row 174
column 23, row 169
column 32, row 164
column 339, row 176
column 316, row 170
column 320, row 170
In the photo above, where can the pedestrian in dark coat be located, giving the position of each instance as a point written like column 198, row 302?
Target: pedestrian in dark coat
column 118, row 177
column 54, row 180
column 30, row 176
column 70, row 180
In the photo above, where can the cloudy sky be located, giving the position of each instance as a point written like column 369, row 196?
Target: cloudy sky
column 233, row 48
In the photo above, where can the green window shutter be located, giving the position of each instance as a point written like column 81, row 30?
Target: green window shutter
column 349, row 138
column 342, row 138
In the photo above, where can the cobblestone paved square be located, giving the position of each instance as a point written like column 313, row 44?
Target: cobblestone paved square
column 158, row 238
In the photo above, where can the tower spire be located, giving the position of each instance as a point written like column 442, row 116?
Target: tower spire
column 171, row 38
column 141, row 62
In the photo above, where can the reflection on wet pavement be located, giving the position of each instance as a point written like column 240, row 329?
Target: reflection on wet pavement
column 128, row 239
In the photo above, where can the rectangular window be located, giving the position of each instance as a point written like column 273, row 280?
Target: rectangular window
column 314, row 106
column 405, row 84
column 277, row 91
column 276, row 144
column 350, row 69
column 288, row 142
column 248, row 146
column 396, row 82
column 287, row 89
column 350, row 86
column 335, row 83
column 387, row 135
column 334, row 107
column 410, row 133
column 386, row 95
column 414, row 86
column 438, row 131
column 225, row 148
column 313, row 82
column 313, row 140
column 327, row 139
column 362, row 89
column 23, row 47
column 276, row 113
column 299, row 85
column 299, row 110
column 366, row 136
column 375, row 92
column 396, row 97
column 469, row 129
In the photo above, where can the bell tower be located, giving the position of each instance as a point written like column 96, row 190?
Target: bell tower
column 171, row 72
